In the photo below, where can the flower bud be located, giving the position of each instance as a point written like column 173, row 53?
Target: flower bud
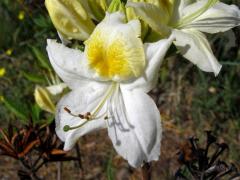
column 43, row 99
column 132, row 15
column 95, row 8
column 166, row 8
column 70, row 18
column 116, row 5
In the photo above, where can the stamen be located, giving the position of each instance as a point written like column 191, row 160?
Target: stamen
column 81, row 116
column 91, row 116
column 87, row 116
column 67, row 110
column 108, row 94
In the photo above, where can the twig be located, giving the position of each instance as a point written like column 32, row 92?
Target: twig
column 146, row 171
column 39, row 166
column 59, row 170
column 79, row 156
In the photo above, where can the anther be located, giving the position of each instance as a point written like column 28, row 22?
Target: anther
column 90, row 116
column 81, row 116
column 87, row 116
column 67, row 110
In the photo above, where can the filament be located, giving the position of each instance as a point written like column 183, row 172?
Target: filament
column 92, row 116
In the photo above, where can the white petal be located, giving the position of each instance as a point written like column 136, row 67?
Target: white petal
column 114, row 23
column 69, row 64
column 195, row 47
column 79, row 101
column 56, row 89
column 63, row 39
column 196, row 7
column 115, row 49
column 155, row 53
column 219, row 18
column 134, row 127
column 178, row 9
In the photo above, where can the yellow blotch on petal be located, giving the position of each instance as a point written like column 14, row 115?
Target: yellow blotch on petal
column 116, row 58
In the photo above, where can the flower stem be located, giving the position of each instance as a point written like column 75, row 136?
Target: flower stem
column 146, row 171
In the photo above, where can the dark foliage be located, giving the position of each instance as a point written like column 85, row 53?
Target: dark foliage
column 199, row 164
column 33, row 146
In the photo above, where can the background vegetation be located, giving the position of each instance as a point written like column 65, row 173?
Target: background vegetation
column 190, row 101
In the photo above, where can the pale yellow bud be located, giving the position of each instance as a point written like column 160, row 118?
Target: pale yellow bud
column 166, row 6
column 130, row 12
column 95, row 8
column 70, row 18
column 149, row 34
column 43, row 99
column 116, row 5
column 132, row 15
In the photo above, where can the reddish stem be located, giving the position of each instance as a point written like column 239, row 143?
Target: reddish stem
column 146, row 171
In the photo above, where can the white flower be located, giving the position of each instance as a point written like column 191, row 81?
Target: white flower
column 187, row 22
column 109, row 82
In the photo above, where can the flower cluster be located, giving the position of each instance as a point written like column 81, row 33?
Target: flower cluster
column 114, row 61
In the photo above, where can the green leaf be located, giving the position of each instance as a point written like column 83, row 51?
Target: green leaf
column 7, row 28
column 42, row 21
column 50, row 119
column 34, row 78
column 110, row 169
column 36, row 110
column 41, row 57
column 16, row 108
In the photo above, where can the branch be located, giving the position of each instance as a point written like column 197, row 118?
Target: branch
column 146, row 171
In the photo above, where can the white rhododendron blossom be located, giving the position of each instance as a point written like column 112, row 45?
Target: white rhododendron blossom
column 109, row 82
column 186, row 20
